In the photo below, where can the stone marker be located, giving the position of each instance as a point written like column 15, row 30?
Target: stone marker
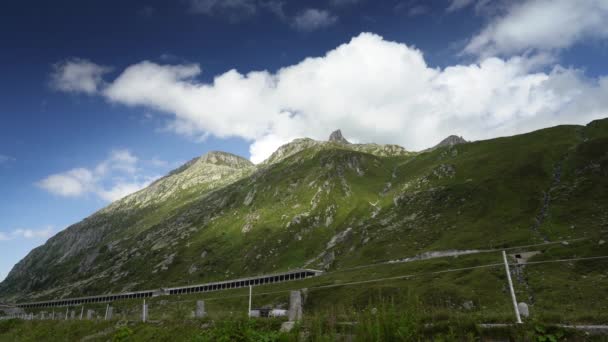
column 295, row 306
column 523, row 309
column 72, row 314
column 90, row 314
column 200, row 309
column 109, row 311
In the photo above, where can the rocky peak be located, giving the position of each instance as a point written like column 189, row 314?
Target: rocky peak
column 451, row 141
column 225, row 159
column 290, row 149
column 336, row 137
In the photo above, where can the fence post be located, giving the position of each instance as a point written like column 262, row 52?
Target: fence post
column 81, row 312
column 66, row 313
column 504, row 256
column 144, row 312
column 249, row 312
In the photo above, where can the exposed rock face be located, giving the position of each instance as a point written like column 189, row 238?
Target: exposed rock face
column 299, row 145
column 290, row 149
column 225, row 159
column 451, row 141
column 336, row 137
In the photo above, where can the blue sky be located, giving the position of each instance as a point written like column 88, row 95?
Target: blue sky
column 98, row 98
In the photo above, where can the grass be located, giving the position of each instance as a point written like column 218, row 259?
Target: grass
column 383, row 320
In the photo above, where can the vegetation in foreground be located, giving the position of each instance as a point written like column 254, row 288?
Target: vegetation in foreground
column 382, row 322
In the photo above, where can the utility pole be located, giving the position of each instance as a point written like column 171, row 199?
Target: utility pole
column 504, row 256
column 250, row 290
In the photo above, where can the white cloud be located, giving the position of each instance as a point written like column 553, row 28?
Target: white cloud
column 119, row 160
column 21, row 233
column 72, row 183
column 122, row 189
column 540, row 25
column 110, row 180
column 43, row 233
column 374, row 90
column 313, row 19
column 78, row 76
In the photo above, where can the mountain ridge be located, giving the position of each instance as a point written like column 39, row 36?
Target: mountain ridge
column 194, row 226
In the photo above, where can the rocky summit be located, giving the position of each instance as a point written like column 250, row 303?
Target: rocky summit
column 451, row 141
column 336, row 137
column 330, row 205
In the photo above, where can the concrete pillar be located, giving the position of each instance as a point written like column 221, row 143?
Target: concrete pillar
column 200, row 309
column 109, row 311
column 90, row 314
column 295, row 306
column 523, row 309
column 144, row 312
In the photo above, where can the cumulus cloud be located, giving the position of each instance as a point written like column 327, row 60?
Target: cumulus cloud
column 78, row 76
column 539, row 25
column 72, row 183
column 374, row 90
column 111, row 179
column 21, row 233
column 313, row 19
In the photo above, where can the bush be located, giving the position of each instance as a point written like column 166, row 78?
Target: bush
column 123, row 334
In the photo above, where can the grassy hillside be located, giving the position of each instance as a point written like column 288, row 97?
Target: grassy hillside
column 334, row 206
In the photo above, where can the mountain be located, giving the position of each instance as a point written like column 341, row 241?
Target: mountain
column 451, row 141
column 336, row 137
column 328, row 205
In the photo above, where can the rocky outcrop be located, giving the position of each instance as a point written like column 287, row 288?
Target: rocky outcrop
column 452, row 140
column 336, row 137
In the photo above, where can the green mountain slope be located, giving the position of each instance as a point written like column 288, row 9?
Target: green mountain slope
column 328, row 205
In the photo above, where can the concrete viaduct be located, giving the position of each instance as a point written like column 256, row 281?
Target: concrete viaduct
column 208, row 287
